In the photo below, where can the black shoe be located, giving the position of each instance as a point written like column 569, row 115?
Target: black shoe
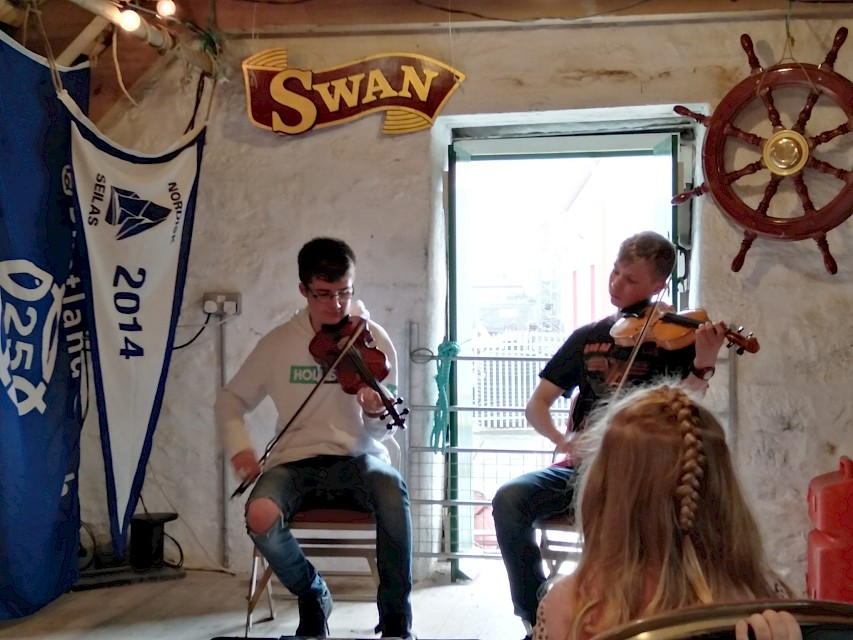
column 397, row 626
column 314, row 615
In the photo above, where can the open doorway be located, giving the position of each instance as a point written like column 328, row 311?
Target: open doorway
column 534, row 226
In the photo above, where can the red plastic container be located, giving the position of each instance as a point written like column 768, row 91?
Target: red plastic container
column 829, row 571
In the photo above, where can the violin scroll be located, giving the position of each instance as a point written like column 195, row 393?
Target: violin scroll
column 392, row 416
column 746, row 342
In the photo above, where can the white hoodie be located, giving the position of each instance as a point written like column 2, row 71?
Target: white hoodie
column 281, row 367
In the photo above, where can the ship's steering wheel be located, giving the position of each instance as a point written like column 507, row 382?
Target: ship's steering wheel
column 789, row 153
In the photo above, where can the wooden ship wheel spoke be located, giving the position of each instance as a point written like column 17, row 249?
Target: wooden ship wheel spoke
column 784, row 155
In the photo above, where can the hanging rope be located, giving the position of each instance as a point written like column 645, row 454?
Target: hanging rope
column 32, row 8
column 441, row 418
column 118, row 69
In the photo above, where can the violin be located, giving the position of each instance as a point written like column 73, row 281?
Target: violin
column 362, row 364
column 670, row 330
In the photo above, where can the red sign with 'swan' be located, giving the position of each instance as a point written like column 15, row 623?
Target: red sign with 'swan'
column 410, row 88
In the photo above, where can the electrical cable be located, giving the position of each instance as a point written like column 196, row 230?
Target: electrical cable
column 275, row 2
column 198, row 333
column 474, row 14
column 180, row 562
column 82, row 551
column 199, row 91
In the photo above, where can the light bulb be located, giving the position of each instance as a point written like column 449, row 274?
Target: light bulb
column 130, row 20
column 166, row 7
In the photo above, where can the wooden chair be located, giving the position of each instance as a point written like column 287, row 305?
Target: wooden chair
column 322, row 529
column 559, row 541
column 259, row 584
column 559, row 538
column 340, row 533
column 818, row 620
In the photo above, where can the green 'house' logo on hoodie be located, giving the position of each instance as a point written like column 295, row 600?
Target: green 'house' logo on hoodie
column 307, row 375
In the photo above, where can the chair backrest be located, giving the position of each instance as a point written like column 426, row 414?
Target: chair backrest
column 332, row 518
column 819, row 620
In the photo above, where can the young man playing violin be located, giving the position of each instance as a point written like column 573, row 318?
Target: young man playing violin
column 591, row 364
column 329, row 454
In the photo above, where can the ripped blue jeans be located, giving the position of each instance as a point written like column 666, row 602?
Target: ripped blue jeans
column 363, row 481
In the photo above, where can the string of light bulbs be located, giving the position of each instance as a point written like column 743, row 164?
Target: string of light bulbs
column 130, row 19
column 160, row 36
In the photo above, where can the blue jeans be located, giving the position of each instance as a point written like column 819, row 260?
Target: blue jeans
column 363, row 481
column 516, row 506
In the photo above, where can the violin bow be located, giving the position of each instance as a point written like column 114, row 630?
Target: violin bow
column 248, row 482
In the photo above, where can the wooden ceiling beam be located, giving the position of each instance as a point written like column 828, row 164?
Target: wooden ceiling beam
column 85, row 43
column 10, row 14
column 340, row 15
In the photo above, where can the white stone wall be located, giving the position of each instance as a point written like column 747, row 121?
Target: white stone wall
column 262, row 196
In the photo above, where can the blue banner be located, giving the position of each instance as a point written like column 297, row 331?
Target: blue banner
column 41, row 334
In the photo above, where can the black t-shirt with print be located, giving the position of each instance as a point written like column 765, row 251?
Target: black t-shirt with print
column 591, row 360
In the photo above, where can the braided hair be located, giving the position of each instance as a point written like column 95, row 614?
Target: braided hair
column 692, row 463
column 692, row 460
column 665, row 524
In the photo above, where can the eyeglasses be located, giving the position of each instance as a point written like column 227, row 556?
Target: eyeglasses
column 326, row 296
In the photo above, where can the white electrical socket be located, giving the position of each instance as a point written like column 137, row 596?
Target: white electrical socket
column 223, row 304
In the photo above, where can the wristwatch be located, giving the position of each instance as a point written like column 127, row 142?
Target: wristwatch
column 705, row 373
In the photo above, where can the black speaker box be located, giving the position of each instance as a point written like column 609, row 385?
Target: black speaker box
column 146, row 539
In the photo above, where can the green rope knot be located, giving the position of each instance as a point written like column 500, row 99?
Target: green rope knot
column 447, row 350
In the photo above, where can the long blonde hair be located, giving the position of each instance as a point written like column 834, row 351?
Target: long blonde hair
column 664, row 521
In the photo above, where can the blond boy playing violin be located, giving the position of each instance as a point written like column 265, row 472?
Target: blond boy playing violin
column 330, row 453
column 592, row 365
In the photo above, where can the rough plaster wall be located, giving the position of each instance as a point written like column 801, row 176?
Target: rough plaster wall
column 262, row 196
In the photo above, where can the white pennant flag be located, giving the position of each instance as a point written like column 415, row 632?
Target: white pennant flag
column 136, row 213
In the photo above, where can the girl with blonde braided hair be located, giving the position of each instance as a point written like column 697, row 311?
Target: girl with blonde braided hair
column 664, row 521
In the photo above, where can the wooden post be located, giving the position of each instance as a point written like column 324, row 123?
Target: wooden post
column 10, row 14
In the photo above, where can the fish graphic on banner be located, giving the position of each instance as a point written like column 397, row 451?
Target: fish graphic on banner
column 41, row 334
column 135, row 212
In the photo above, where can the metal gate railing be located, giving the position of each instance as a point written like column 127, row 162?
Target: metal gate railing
column 462, row 526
